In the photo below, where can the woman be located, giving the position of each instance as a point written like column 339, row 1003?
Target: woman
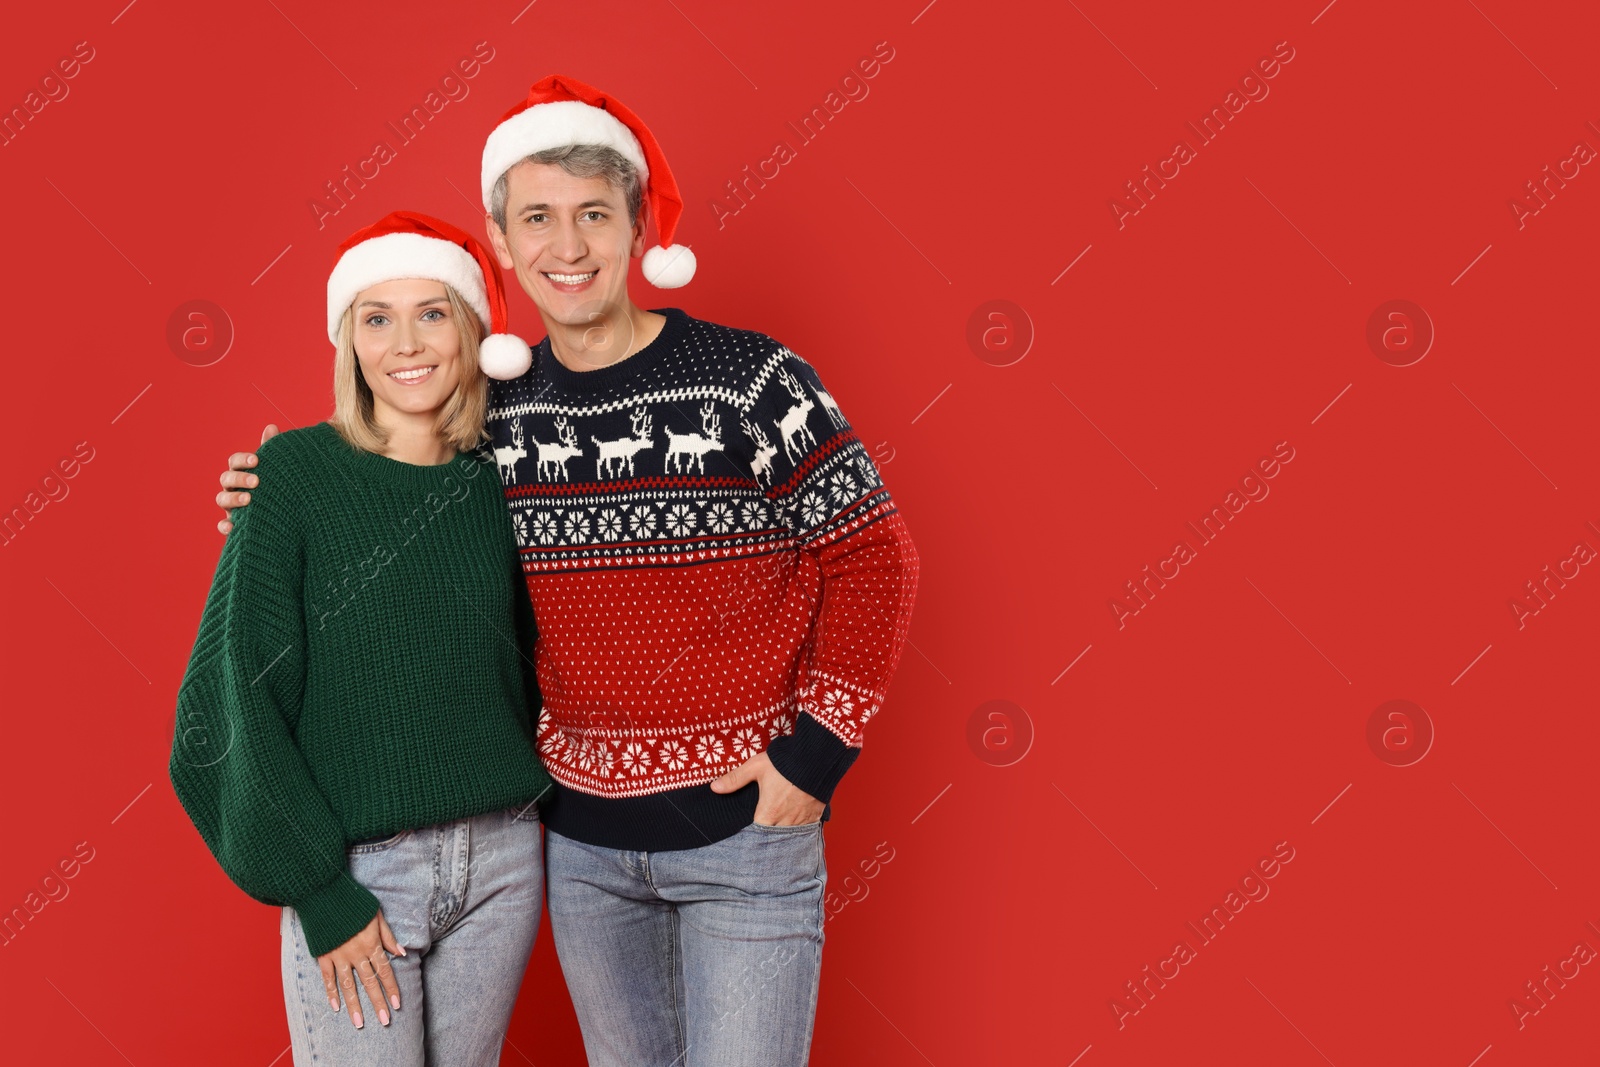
column 355, row 728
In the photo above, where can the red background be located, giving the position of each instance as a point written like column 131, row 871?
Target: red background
column 1228, row 315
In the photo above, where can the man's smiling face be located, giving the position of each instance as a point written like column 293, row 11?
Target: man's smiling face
column 569, row 242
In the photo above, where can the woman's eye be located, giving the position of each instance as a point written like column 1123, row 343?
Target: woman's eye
column 377, row 320
column 433, row 311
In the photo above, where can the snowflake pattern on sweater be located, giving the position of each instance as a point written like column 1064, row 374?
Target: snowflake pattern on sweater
column 712, row 556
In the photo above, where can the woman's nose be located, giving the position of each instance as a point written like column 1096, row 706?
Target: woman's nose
column 406, row 339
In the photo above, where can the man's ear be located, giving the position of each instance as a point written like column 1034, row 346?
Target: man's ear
column 497, row 241
column 641, row 227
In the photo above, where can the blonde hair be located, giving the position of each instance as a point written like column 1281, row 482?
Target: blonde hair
column 461, row 417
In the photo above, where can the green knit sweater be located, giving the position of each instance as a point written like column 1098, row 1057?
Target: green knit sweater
column 363, row 666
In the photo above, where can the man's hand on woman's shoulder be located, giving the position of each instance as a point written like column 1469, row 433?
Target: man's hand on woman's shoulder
column 238, row 478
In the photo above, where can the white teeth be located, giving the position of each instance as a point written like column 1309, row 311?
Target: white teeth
column 570, row 279
column 408, row 375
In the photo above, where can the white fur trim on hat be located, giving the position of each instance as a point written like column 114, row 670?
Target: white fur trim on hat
column 553, row 125
column 504, row 356
column 404, row 255
column 669, row 267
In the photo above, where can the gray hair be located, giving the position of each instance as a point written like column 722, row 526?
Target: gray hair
column 580, row 161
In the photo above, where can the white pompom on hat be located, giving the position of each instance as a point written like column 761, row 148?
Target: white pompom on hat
column 561, row 111
column 407, row 244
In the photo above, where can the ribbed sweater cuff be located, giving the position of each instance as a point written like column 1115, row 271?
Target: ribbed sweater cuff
column 335, row 913
column 812, row 757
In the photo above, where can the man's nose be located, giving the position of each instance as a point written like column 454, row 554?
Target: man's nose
column 569, row 245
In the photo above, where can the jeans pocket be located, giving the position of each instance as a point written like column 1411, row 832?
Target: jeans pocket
column 797, row 828
column 379, row 844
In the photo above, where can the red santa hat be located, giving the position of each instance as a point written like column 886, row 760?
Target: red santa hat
column 561, row 111
column 406, row 244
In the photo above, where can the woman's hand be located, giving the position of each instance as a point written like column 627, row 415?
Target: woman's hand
column 237, row 479
column 363, row 957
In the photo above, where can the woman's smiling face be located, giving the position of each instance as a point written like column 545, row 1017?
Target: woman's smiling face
column 407, row 342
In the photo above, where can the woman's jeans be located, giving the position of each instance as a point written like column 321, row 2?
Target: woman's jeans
column 701, row 957
column 464, row 899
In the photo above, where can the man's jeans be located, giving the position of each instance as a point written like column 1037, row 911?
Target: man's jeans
column 702, row 957
column 463, row 898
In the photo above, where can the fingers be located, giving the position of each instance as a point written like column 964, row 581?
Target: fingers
column 769, row 807
column 385, row 972
column 269, row 430
column 326, row 964
column 367, row 970
column 734, row 779
column 238, row 478
column 239, row 482
column 389, row 985
column 347, row 986
column 741, row 776
column 385, row 934
column 227, row 502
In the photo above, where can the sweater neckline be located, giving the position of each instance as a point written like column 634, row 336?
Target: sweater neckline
column 385, row 469
column 590, row 381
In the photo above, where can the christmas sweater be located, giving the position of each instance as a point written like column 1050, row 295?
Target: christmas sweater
column 717, row 570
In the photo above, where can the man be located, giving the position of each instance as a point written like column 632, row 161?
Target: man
column 722, row 586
